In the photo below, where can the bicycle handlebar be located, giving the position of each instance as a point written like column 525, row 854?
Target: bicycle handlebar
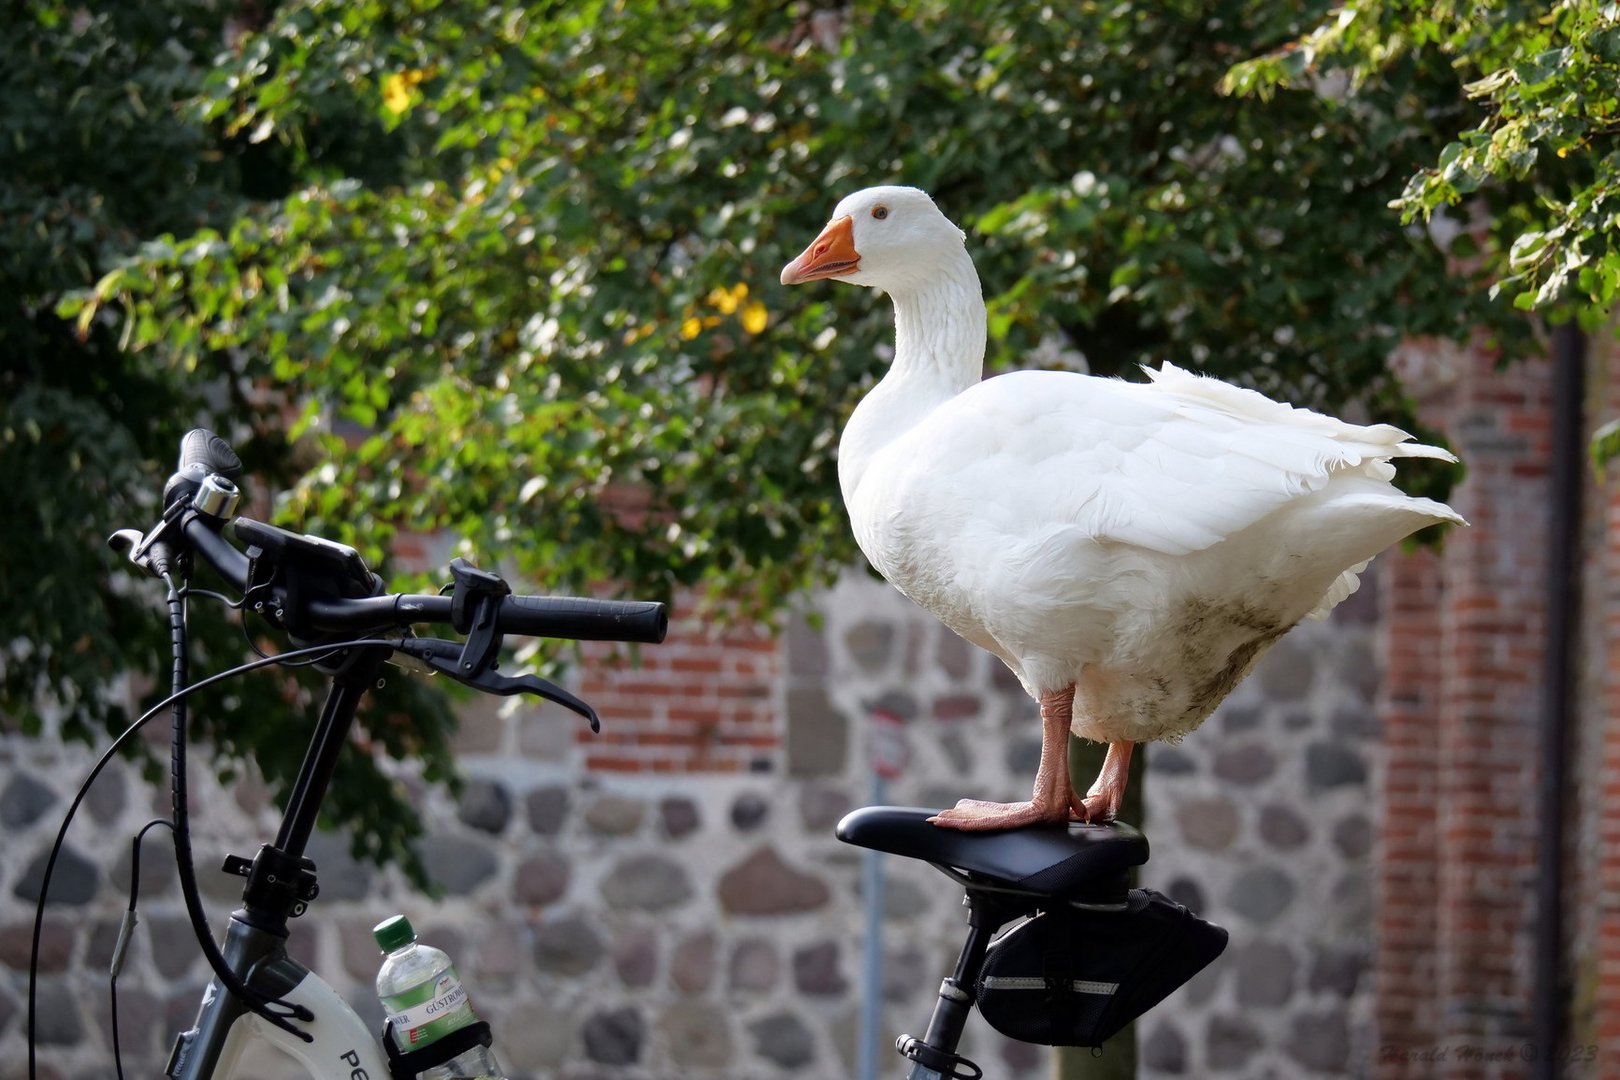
column 570, row 617
column 216, row 551
column 576, row 618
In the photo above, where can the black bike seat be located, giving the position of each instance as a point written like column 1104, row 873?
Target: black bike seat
column 1051, row 860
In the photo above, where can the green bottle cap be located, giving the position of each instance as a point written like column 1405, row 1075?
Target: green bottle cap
column 394, row 933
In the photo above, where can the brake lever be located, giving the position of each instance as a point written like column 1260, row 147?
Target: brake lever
column 151, row 551
column 445, row 657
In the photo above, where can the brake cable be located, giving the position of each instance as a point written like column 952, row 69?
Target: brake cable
column 274, row 1010
column 126, row 928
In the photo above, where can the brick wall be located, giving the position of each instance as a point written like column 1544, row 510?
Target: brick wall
column 1464, row 634
column 1408, row 879
column 1464, row 654
column 1599, row 980
column 704, row 701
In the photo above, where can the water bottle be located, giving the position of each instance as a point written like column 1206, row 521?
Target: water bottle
column 424, row 999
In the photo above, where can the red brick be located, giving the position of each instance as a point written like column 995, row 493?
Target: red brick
column 610, row 763
column 704, row 664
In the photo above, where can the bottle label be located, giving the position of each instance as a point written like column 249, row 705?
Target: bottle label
column 426, row 1013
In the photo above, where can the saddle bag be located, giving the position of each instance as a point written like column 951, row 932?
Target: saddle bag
column 1074, row 977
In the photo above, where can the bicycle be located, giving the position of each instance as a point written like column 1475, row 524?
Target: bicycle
column 1067, row 889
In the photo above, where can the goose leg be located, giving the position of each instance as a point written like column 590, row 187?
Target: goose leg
column 1102, row 801
column 1053, row 797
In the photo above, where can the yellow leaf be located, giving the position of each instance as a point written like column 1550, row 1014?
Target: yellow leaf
column 754, row 317
column 726, row 300
column 691, row 328
column 82, row 324
column 396, row 93
column 397, row 87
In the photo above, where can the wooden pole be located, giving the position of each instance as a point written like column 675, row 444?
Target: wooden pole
column 1117, row 1061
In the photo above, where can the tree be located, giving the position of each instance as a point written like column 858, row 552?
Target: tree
column 103, row 153
column 513, row 267
column 1537, row 176
column 1543, row 157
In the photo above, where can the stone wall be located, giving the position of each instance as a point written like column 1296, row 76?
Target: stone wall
column 675, row 922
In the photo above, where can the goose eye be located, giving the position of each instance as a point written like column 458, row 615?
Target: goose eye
column 880, row 212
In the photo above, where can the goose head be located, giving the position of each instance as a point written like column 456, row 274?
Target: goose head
column 889, row 238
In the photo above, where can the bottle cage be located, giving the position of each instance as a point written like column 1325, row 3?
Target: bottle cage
column 408, row 1064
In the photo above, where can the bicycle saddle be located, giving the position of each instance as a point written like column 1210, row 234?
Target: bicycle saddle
column 1060, row 861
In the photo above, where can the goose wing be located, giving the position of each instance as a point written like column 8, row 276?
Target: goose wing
column 1172, row 466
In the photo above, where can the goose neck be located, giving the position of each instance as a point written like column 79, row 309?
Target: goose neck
column 939, row 329
column 939, row 339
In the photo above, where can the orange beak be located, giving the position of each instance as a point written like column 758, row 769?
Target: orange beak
column 829, row 255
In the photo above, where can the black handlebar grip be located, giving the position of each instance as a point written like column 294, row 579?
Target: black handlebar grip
column 214, row 454
column 583, row 619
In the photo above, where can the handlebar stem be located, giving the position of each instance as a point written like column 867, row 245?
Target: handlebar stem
column 331, row 734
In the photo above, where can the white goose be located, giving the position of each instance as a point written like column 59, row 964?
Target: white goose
column 1129, row 550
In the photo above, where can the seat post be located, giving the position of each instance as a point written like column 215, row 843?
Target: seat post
column 935, row 1055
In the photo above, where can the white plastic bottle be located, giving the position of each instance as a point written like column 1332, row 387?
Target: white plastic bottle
column 425, row 1000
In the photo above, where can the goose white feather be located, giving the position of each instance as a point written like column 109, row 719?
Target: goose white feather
column 1129, row 550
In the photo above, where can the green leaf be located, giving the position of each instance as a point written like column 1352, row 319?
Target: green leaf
column 1604, row 447
column 1527, row 247
column 1541, row 68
